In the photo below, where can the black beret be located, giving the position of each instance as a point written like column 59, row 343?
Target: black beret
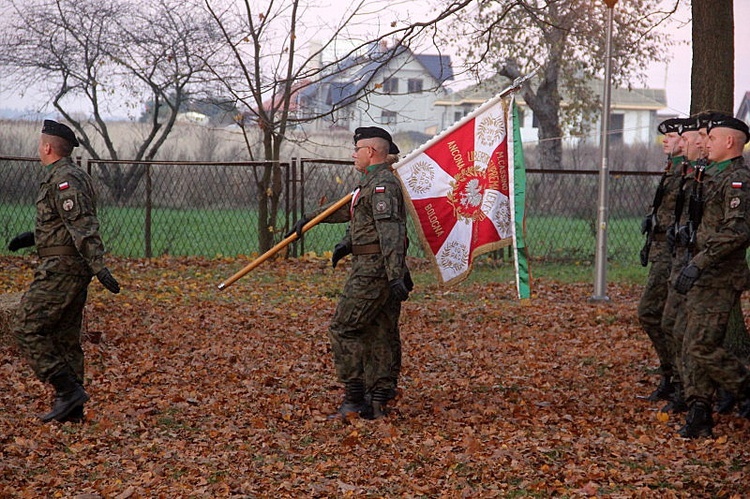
column 693, row 123
column 670, row 125
column 59, row 130
column 372, row 132
column 726, row 121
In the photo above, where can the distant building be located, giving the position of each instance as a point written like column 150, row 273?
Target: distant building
column 633, row 112
column 392, row 87
column 743, row 112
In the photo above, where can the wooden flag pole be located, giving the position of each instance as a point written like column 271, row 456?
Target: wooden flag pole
column 286, row 241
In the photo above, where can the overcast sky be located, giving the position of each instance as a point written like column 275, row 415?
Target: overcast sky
column 673, row 76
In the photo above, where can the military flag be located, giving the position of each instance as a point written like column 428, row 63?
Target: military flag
column 465, row 191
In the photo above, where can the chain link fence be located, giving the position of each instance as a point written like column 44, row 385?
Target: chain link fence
column 211, row 209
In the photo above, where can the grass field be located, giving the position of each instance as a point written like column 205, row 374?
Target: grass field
column 565, row 245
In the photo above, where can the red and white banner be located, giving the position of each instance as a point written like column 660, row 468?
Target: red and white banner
column 459, row 189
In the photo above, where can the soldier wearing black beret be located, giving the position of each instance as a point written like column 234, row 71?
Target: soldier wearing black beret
column 715, row 276
column 657, row 253
column 364, row 330
column 48, row 330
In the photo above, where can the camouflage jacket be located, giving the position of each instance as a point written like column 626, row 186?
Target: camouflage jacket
column 66, row 216
column 724, row 232
column 666, row 210
column 376, row 215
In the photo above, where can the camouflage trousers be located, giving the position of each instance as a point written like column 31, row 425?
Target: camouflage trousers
column 364, row 334
column 48, row 324
column 651, row 309
column 674, row 318
column 707, row 363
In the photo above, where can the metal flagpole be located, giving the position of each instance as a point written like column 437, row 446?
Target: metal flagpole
column 600, row 266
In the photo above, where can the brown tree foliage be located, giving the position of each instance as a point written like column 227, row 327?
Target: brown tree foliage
column 204, row 393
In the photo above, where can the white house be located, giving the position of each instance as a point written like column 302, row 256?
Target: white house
column 633, row 111
column 743, row 113
column 393, row 87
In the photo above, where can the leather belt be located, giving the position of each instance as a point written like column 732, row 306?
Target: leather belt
column 58, row 251
column 366, row 249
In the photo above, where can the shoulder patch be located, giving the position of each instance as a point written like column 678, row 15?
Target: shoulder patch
column 736, row 185
column 379, row 188
column 68, row 205
column 62, row 186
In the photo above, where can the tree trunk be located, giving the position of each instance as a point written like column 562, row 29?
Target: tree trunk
column 712, row 78
column 712, row 84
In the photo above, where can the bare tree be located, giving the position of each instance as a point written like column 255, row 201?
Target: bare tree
column 92, row 54
column 263, row 68
column 566, row 40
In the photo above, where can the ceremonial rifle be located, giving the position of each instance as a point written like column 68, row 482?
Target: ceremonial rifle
column 695, row 209
column 678, row 207
column 286, row 241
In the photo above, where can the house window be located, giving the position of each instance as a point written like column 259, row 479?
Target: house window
column 534, row 121
column 458, row 115
column 616, row 127
column 415, row 85
column 390, row 85
column 388, row 117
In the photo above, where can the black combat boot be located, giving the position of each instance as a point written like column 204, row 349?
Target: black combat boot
column 663, row 391
column 69, row 395
column 380, row 399
column 354, row 401
column 676, row 402
column 698, row 422
column 744, row 404
column 75, row 416
column 725, row 402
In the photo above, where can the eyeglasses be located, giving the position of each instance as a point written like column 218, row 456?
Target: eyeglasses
column 357, row 148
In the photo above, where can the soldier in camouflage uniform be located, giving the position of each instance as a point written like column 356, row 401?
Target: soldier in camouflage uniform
column 692, row 135
column 715, row 277
column 364, row 330
column 48, row 327
column 654, row 296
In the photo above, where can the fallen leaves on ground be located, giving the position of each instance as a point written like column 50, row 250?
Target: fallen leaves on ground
column 198, row 392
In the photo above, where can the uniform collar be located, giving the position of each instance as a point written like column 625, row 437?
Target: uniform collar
column 370, row 169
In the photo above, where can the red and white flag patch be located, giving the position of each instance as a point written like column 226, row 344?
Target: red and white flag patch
column 63, row 186
column 379, row 188
column 736, row 185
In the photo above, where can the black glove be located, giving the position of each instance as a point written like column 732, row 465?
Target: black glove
column 297, row 228
column 647, row 224
column 109, row 282
column 399, row 289
column 687, row 278
column 22, row 240
column 683, row 236
column 339, row 252
column 407, row 281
